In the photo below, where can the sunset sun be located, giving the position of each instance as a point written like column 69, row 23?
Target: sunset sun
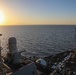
column 2, row 17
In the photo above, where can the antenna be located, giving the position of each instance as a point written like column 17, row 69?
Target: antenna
column 75, row 40
column 0, row 54
column 0, row 48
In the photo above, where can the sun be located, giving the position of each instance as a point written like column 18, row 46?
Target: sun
column 1, row 17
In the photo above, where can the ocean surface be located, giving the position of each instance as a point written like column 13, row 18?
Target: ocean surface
column 39, row 41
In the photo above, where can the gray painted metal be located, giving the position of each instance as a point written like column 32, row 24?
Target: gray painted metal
column 29, row 69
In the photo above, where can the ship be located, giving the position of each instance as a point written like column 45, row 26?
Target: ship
column 63, row 63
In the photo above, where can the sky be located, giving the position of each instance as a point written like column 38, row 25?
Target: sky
column 38, row 12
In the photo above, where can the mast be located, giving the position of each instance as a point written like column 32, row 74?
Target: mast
column 74, row 41
column 74, row 47
column 74, row 56
column 1, row 62
column 0, row 49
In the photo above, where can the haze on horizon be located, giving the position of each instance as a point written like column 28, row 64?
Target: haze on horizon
column 38, row 12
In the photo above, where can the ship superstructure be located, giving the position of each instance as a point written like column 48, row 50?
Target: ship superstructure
column 63, row 63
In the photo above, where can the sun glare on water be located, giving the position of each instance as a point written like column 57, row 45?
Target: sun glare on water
column 2, row 17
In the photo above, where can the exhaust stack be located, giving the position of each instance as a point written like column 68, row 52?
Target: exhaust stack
column 13, row 50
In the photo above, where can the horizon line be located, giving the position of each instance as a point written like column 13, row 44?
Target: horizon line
column 37, row 24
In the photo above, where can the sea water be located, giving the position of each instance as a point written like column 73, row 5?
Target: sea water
column 39, row 40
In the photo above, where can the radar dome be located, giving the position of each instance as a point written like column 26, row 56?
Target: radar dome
column 42, row 62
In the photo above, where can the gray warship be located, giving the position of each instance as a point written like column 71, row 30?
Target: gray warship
column 63, row 63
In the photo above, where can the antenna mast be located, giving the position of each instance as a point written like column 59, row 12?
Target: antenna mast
column 0, row 49
column 1, row 63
